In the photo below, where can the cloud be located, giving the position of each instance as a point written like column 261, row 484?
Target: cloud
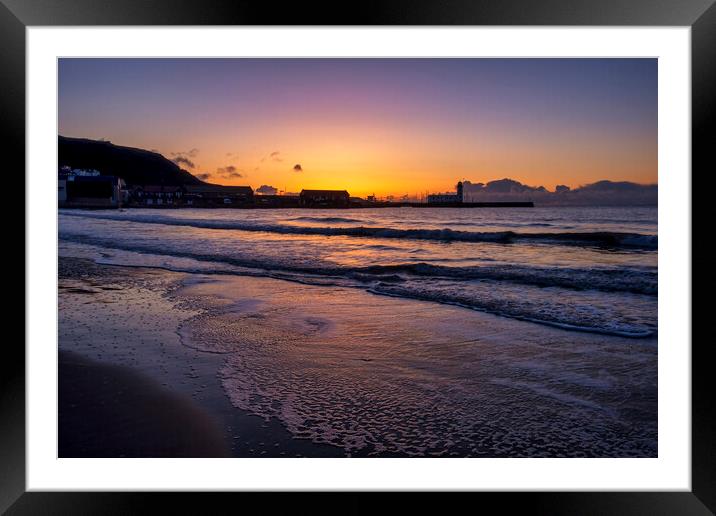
column 601, row 193
column 229, row 171
column 266, row 190
column 297, row 168
column 181, row 160
column 182, row 157
column 610, row 193
column 203, row 176
column 191, row 153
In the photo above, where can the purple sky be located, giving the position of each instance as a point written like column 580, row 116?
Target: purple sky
column 374, row 125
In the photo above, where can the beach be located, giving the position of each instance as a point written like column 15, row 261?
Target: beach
column 192, row 364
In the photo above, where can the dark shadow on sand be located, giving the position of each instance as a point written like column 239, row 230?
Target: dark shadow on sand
column 112, row 411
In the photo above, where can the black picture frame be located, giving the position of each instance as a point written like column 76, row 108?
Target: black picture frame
column 700, row 15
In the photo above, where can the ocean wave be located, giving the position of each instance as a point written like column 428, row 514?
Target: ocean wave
column 608, row 280
column 510, row 291
column 540, row 312
column 326, row 219
column 595, row 239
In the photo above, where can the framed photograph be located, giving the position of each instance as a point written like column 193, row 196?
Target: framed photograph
column 424, row 247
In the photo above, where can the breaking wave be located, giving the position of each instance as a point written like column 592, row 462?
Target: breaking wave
column 497, row 289
column 326, row 219
column 599, row 238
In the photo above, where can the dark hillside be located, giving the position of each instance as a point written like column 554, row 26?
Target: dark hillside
column 135, row 166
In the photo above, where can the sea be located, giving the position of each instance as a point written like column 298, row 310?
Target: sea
column 393, row 332
column 580, row 269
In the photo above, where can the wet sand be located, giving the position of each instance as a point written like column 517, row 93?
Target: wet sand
column 121, row 359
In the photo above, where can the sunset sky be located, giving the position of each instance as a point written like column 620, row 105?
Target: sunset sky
column 384, row 126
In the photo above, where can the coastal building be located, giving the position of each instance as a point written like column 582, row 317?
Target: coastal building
column 190, row 195
column 213, row 195
column 158, row 195
column 90, row 191
column 448, row 198
column 325, row 198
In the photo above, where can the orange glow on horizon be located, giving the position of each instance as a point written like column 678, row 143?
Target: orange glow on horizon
column 384, row 158
column 386, row 166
